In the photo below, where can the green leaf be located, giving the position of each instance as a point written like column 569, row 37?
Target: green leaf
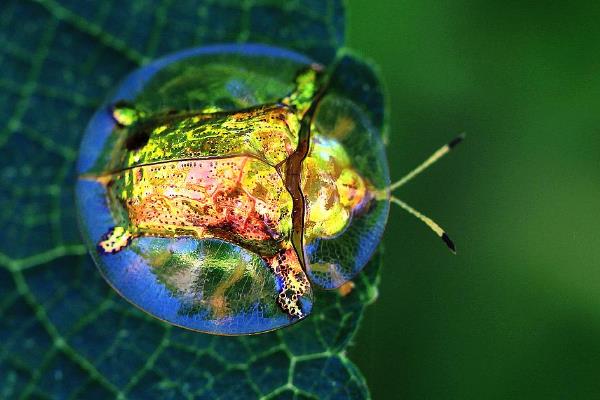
column 63, row 332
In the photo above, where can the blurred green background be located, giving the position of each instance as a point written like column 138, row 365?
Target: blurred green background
column 516, row 314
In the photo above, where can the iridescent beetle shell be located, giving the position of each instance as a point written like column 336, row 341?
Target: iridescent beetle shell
column 220, row 186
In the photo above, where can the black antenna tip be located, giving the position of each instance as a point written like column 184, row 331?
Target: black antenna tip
column 456, row 140
column 449, row 242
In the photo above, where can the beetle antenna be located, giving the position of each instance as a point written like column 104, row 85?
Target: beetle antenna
column 427, row 221
column 442, row 151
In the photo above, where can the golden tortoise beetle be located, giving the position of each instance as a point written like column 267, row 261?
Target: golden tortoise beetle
column 221, row 183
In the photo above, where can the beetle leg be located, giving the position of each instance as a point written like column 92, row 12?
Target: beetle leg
column 116, row 239
column 346, row 288
column 124, row 113
column 294, row 283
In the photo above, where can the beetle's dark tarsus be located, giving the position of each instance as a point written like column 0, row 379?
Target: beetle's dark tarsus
column 138, row 139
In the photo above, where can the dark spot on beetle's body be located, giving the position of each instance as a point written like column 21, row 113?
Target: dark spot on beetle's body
column 138, row 139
